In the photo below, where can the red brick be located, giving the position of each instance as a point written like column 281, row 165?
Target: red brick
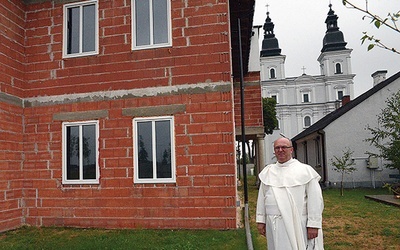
column 204, row 133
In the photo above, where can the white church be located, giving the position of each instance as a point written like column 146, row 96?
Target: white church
column 303, row 100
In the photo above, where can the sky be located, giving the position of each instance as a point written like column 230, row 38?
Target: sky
column 300, row 28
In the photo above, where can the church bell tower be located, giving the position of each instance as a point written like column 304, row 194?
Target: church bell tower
column 335, row 57
column 272, row 62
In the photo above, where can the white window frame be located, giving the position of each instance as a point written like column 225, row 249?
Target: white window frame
column 136, row 150
column 151, row 45
column 337, row 94
column 65, row 29
column 309, row 97
column 64, row 153
column 340, row 67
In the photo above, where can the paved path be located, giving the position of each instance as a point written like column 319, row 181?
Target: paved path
column 387, row 199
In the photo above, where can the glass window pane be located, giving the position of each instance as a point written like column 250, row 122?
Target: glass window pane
column 145, row 152
column 72, row 153
column 73, row 30
column 163, row 148
column 340, row 95
column 338, row 68
column 89, row 151
column 89, row 28
column 142, row 14
column 305, row 97
column 272, row 72
column 160, row 21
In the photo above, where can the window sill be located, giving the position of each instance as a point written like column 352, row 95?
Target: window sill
column 80, row 55
column 88, row 182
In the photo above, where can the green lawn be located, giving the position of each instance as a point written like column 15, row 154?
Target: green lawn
column 350, row 222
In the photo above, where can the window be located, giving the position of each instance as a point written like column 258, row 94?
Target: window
column 272, row 73
column 307, row 121
column 338, row 68
column 80, row 153
column 154, row 150
column 151, row 23
column 275, row 97
column 80, row 29
column 306, row 97
column 340, row 94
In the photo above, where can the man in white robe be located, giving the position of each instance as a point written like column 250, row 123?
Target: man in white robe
column 290, row 203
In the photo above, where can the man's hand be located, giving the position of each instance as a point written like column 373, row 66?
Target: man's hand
column 261, row 228
column 312, row 233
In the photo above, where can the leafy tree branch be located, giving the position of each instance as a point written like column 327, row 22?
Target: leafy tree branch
column 386, row 137
column 390, row 21
column 269, row 115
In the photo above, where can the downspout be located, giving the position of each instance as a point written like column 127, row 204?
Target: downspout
column 246, row 199
column 324, row 175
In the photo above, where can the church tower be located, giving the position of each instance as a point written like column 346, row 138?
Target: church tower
column 303, row 100
column 272, row 62
column 335, row 61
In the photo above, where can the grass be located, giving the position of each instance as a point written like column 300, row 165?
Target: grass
column 68, row 238
column 350, row 222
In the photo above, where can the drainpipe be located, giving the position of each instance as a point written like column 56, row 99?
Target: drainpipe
column 246, row 199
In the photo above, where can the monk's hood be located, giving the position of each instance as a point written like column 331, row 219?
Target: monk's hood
column 289, row 174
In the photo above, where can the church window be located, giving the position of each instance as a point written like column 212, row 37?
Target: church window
column 340, row 94
column 275, row 97
column 338, row 68
column 307, row 121
column 306, row 97
column 272, row 73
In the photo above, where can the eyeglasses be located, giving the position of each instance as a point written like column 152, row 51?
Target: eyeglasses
column 281, row 148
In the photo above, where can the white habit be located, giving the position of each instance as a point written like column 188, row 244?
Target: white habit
column 289, row 201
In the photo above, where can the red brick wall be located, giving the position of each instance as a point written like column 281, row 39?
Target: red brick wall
column 252, row 101
column 205, row 189
column 200, row 51
column 11, row 163
column 12, row 35
column 204, row 195
column 11, row 119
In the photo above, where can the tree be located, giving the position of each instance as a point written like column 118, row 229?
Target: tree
column 390, row 21
column 343, row 165
column 269, row 114
column 143, row 155
column 386, row 137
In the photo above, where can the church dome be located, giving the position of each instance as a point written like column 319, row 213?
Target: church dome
column 333, row 39
column 270, row 45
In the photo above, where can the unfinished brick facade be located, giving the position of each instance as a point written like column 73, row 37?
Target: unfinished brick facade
column 189, row 81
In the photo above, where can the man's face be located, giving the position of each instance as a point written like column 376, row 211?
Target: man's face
column 283, row 150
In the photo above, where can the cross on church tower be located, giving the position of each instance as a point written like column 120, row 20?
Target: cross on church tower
column 304, row 70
